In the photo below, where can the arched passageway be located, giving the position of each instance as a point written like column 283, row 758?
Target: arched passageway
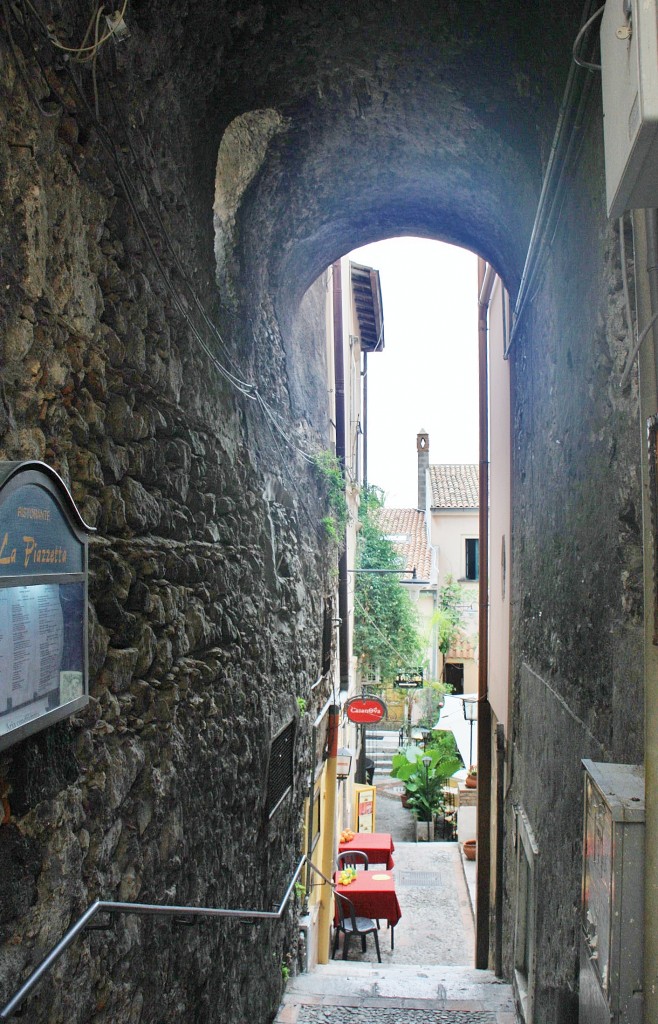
column 209, row 575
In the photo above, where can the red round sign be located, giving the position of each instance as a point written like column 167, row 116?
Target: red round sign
column 365, row 709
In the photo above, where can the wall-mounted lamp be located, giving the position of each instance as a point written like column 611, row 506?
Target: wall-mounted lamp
column 343, row 764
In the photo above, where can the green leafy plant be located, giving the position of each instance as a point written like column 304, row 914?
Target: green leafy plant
column 301, row 704
column 424, row 784
column 448, row 619
column 331, row 474
column 386, row 631
column 285, row 972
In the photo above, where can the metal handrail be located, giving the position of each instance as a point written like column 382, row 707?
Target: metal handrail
column 147, row 909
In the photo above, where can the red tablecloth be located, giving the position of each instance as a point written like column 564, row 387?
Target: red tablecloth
column 373, row 896
column 377, row 845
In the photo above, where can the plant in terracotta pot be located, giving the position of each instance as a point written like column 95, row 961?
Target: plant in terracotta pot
column 424, row 783
column 472, row 777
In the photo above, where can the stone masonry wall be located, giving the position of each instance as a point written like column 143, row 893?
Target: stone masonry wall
column 207, row 573
column 576, row 557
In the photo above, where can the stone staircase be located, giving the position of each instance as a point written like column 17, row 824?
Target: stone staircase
column 367, row 993
column 380, row 747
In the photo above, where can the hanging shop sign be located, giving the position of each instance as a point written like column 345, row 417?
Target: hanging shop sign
column 43, row 601
column 365, row 710
column 411, row 679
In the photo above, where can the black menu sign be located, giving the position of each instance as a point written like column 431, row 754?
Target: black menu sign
column 43, row 601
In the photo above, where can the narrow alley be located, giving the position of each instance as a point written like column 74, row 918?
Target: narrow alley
column 186, row 340
column 428, row 978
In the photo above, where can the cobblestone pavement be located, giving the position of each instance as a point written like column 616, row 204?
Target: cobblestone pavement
column 375, row 1015
column 437, row 923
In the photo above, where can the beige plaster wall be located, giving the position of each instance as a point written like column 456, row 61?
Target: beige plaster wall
column 499, row 515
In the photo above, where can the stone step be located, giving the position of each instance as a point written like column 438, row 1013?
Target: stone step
column 376, row 993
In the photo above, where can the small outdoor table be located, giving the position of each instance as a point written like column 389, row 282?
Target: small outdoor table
column 373, row 895
column 377, row 845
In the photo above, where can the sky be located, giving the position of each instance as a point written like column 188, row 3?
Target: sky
column 426, row 376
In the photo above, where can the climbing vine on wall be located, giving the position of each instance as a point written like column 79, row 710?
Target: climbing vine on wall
column 386, row 629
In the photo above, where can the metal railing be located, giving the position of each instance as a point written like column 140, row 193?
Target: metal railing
column 83, row 923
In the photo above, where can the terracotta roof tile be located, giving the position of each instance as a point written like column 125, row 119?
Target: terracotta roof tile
column 462, row 648
column 409, row 525
column 454, row 486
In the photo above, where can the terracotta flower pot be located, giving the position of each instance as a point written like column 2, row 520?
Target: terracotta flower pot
column 404, row 798
column 470, row 846
column 471, row 782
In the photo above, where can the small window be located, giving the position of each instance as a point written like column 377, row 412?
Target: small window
column 316, row 818
column 280, row 769
column 472, row 559
column 327, row 637
column 454, row 675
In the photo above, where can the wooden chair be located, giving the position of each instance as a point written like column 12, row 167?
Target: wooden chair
column 349, row 924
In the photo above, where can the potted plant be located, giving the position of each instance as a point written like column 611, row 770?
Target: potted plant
column 424, row 774
column 472, row 777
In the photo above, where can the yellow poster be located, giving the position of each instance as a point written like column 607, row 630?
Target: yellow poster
column 364, row 808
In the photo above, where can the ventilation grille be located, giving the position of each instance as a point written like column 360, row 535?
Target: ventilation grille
column 280, row 769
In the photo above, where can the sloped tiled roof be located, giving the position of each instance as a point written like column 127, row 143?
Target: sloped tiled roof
column 462, row 648
column 414, row 549
column 454, row 486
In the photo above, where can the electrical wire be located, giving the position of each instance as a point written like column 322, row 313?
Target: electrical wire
column 636, row 349
column 245, row 388
column 18, row 58
column 577, row 40
column 89, row 51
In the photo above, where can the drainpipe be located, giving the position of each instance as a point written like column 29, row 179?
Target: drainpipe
column 365, row 419
column 500, row 838
column 328, row 836
column 486, row 276
column 339, row 377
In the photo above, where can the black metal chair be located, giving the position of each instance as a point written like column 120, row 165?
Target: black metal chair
column 350, row 858
column 349, row 924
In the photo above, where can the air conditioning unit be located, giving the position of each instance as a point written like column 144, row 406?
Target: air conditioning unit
column 629, row 62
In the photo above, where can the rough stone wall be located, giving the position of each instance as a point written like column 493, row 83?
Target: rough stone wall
column 207, row 572
column 576, row 556
column 207, row 581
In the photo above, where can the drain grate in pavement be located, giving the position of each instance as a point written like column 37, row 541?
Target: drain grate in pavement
column 377, row 1015
column 420, row 879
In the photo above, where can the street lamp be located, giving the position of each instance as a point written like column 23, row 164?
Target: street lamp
column 343, row 764
column 427, row 760
column 470, row 707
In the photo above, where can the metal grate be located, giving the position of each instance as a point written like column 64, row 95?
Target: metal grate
column 280, row 768
column 421, row 879
column 383, row 1015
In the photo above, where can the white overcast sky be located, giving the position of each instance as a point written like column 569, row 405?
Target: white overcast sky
column 426, row 377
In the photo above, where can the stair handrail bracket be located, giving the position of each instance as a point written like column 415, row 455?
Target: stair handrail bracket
column 111, row 907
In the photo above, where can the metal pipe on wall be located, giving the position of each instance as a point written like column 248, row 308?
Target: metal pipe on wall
column 486, row 277
column 339, row 380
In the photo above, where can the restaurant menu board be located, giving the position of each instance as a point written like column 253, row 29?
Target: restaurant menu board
column 41, row 651
column 365, row 808
column 35, row 538
column 43, row 591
